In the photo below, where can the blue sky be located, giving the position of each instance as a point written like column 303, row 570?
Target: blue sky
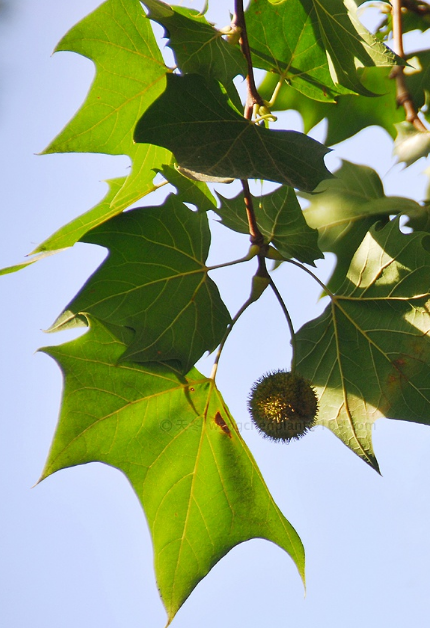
column 75, row 550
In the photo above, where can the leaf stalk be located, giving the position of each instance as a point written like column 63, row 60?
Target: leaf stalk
column 227, row 333
column 289, row 322
column 328, row 292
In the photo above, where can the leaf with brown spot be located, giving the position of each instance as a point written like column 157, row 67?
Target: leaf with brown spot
column 368, row 354
column 202, row 493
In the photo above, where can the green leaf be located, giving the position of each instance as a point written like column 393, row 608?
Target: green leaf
column 368, row 354
column 13, row 269
column 285, row 38
column 351, row 113
column 344, row 209
column 130, row 75
column 198, row 47
column 76, row 229
column 194, row 120
column 154, row 282
column 349, row 43
column 316, row 45
column 73, row 231
column 176, row 442
column 281, row 221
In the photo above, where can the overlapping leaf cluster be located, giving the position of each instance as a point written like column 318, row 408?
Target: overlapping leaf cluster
column 132, row 397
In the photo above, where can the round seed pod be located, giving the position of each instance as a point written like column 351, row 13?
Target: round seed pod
column 283, row 405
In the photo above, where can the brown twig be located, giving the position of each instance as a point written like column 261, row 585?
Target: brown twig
column 256, row 236
column 403, row 96
column 253, row 97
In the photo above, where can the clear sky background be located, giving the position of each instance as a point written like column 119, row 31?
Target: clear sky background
column 75, row 551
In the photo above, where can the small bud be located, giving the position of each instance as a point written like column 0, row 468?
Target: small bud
column 232, row 32
column 254, row 250
column 259, row 284
column 273, row 253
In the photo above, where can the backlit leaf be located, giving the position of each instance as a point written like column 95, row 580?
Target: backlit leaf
column 410, row 144
column 368, row 354
column 317, row 46
column 176, row 442
column 285, row 39
column 76, row 229
column 13, row 269
column 349, row 44
column 130, row 75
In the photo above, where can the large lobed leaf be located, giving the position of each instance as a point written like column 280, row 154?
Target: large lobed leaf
column 195, row 120
column 175, row 440
column 281, row 221
column 130, row 75
column 155, row 283
column 368, row 354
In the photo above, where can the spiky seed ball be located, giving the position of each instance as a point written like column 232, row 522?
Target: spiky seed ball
column 283, row 405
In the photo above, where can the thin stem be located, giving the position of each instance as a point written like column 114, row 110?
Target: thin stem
column 403, row 96
column 397, row 27
column 252, row 253
column 317, row 279
column 256, row 291
column 253, row 98
column 226, row 335
column 289, row 321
